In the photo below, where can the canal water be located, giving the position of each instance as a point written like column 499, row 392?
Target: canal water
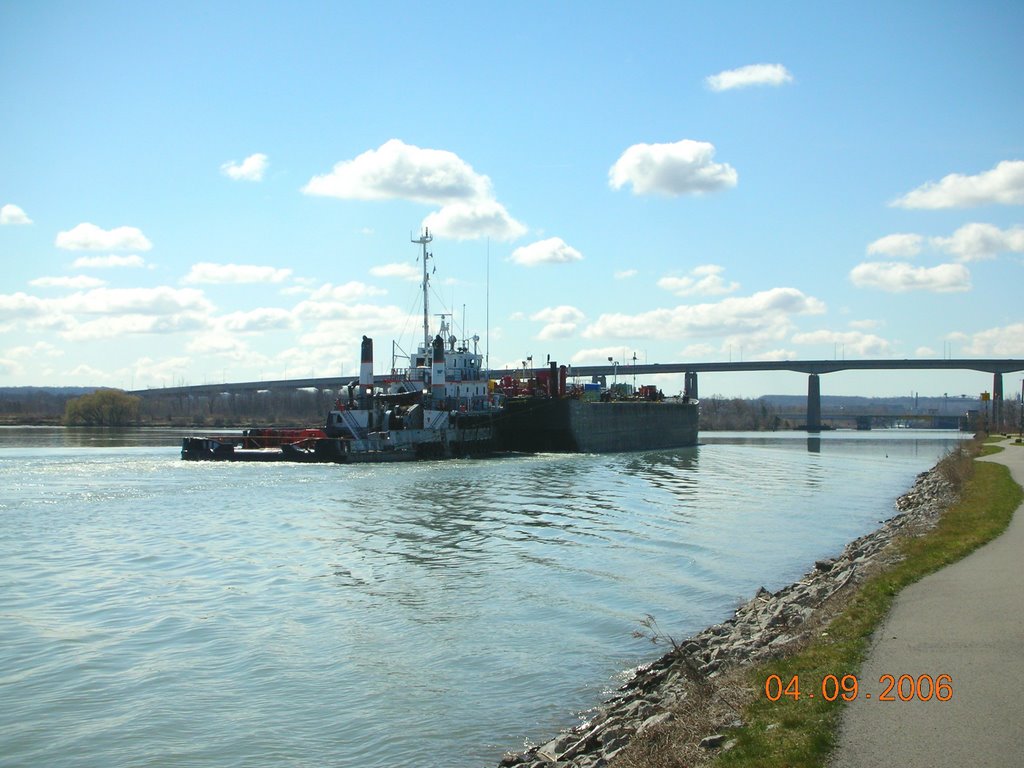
column 160, row 612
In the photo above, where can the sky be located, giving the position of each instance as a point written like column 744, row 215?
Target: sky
column 197, row 192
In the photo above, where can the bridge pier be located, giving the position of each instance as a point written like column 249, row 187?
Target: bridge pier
column 690, row 385
column 813, row 403
column 997, row 402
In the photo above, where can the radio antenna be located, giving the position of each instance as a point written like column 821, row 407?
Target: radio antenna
column 422, row 241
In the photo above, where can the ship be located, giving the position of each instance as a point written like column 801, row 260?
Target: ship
column 437, row 407
column 545, row 414
column 445, row 404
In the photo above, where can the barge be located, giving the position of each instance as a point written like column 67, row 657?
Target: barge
column 543, row 414
column 445, row 405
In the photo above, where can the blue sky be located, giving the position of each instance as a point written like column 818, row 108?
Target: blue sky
column 204, row 192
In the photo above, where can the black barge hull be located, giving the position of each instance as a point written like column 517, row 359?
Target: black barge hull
column 566, row 425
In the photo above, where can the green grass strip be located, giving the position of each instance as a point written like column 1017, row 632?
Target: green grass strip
column 803, row 733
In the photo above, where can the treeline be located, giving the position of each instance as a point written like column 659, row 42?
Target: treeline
column 265, row 408
column 110, row 407
column 719, row 413
column 92, row 406
column 37, row 405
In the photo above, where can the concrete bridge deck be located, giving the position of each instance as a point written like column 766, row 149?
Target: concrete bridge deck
column 813, row 368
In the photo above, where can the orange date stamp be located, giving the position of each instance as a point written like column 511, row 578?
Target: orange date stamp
column 848, row 688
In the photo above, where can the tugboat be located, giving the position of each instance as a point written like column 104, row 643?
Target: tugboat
column 438, row 407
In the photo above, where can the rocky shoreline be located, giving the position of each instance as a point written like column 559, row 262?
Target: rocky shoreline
column 770, row 624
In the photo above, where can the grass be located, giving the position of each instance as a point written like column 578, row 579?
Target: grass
column 803, row 733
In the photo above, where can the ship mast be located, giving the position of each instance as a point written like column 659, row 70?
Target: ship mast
column 422, row 241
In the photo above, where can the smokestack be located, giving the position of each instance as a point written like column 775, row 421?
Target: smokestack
column 437, row 369
column 366, row 365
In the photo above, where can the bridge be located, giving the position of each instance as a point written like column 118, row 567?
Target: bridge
column 814, row 369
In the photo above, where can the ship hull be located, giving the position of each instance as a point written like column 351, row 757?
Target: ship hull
column 578, row 426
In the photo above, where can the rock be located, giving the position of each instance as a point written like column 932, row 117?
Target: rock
column 713, row 742
column 653, row 722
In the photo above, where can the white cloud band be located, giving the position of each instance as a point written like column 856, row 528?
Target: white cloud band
column 685, row 167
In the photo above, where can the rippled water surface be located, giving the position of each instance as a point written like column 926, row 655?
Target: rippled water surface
column 160, row 612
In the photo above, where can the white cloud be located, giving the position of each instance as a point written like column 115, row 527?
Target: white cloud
column 116, row 311
column 625, row 274
column 300, row 286
column 975, row 242
column 473, row 220
column 766, row 313
column 557, row 331
column 400, row 270
column 138, row 323
column 338, row 301
column 1003, row 185
column 853, row 342
column 223, row 345
column 400, row 171
column 258, row 320
column 865, row 325
column 205, row 272
column 685, row 167
column 902, row 245
column 560, row 322
column 11, row 214
column 924, row 352
column 108, row 262
column 553, row 250
column 746, row 343
column 776, row 354
column 346, row 324
column 753, row 74
column 250, row 169
column 349, row 291
column 89, row 237
column 39, row 349
column 697, row 351
column 89, row 373
column 19, row 306
column 161, row 300
column 1005, row 341
column 227, row 347
column 149, row 372
column 397, row 170
column 77, row 282
column 597, row 355
column 705, row 280
column 897, row 277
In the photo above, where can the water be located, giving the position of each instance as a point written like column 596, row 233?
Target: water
column 160, row 612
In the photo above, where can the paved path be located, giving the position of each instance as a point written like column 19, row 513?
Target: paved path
column 966, row 621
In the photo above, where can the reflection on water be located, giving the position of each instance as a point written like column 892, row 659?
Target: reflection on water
column 160, row 611
column 93, row 437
